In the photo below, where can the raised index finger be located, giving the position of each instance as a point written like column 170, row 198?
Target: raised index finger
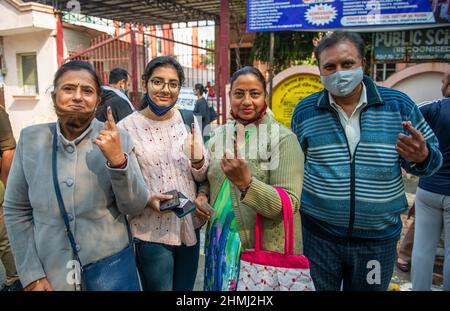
column 111, row 121
column 414, row 133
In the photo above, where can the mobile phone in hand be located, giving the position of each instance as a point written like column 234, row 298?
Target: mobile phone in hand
column 186, row 206
column 171, row 203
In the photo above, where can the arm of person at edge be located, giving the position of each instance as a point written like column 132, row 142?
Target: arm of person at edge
column 197, row 154
column 18, row 215
column 129, row 187
column 195, row 151
column 419, row 151
column 7, row 145
column 203, row 192
column 7, row 158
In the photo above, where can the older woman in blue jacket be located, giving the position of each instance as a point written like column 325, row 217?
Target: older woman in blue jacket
column 99, row 178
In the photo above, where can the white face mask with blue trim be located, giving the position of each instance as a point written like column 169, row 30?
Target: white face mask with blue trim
column 343, row 82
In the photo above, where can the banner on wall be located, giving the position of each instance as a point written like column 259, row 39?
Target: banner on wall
column 412, row 46
column 277, row 15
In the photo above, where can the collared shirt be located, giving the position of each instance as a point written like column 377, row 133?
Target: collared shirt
column 351, row 124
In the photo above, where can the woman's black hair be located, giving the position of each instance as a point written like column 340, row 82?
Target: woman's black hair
column 200, row 88
column 338, row 37
column 249, row 70
column 77, row 65
column 160, row 61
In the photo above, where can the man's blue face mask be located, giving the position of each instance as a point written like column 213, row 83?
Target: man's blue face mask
column 343, row 82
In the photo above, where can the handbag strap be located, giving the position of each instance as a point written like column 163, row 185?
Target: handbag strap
column 60, row 200
column 288, row 224
column 62, row 208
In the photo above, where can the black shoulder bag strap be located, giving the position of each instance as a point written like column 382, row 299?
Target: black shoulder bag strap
column 62, row 208
column 61, row 205
column 188, row 118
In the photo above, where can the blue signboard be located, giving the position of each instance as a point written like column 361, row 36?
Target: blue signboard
column 275, row 15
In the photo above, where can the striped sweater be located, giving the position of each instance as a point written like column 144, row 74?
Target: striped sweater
column 360, row 196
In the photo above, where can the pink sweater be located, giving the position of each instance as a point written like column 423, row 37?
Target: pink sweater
column 158, row 146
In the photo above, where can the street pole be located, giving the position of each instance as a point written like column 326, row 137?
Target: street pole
column 272, row 46
column 224, row 56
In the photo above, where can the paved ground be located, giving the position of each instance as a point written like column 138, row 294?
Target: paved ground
column 201, row 264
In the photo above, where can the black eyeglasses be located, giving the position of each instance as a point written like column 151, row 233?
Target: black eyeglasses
column 159, row 84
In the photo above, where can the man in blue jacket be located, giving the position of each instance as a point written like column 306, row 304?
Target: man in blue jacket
column 433, row 199
column 356, row 136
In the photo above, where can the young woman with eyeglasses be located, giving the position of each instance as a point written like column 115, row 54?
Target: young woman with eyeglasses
column 167, row 246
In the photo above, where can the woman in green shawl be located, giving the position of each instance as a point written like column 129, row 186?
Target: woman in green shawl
column 250, row 155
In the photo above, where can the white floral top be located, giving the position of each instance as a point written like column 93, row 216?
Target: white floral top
column 159, row 152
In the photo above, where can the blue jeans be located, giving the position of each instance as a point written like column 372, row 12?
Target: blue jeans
column 166, row 267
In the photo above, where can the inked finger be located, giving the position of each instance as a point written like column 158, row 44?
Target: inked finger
column 414, row 132
column 111, row 121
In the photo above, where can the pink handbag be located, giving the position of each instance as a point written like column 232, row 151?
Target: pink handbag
column 262, row 270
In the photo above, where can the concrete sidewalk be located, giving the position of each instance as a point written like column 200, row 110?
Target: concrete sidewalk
column 201, row 262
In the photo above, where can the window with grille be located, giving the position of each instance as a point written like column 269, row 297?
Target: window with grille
column 384, row 71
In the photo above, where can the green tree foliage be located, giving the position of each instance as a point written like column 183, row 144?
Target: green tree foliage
column 207, row 60
column 296, row 48
column 291, row 48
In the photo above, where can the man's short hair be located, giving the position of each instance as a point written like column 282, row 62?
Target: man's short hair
column 338, row 37
column 117, row 74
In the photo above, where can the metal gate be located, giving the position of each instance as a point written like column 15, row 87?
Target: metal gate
column 132, row 50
